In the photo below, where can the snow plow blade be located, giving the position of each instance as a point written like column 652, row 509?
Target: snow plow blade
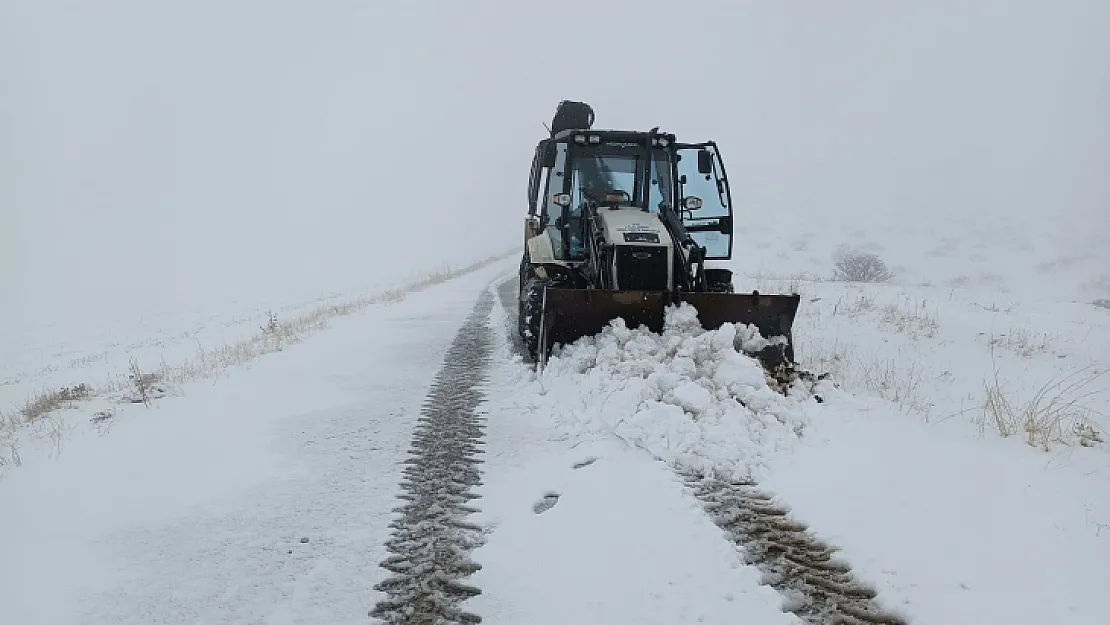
column 570, row 314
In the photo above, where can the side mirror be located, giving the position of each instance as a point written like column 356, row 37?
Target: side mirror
column 705, row 162
column 691, row 203
column 549, row 155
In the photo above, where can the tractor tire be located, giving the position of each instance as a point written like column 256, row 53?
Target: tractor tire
column 525, row 274
column 718, row 280
column 530, row 314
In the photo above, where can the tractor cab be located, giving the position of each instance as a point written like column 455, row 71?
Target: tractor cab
column 577, row 170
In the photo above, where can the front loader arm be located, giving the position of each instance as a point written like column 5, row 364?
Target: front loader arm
column 687, row 251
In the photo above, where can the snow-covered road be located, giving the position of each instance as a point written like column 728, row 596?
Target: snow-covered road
column 264, row 497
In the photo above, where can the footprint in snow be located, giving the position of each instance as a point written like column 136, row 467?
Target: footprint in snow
column 546, row 503
column 583, row 463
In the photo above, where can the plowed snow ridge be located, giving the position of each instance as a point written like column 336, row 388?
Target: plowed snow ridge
column 687, row 395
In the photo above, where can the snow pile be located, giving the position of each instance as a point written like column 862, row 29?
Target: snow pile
column 687, row 395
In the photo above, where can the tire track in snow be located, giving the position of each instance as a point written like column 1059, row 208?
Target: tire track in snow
column 431, row 540
column 817, row 587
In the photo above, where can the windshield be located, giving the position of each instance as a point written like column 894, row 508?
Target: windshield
column 595, row 176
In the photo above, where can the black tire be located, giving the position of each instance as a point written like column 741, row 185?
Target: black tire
column 525, row 271
column 718, row 280
column 530, row 314
column 525, row 274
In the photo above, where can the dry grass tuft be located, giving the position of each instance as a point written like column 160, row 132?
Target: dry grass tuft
column 1020, row 341
column 914, row 318
column 9, row 450
column 792, row 284
column 47, row 402
column 909, row 316
column 1055, row 412
column 36, row 415
column 854, row 307
column 993, row 307
column 145, row 384
column 895, row 382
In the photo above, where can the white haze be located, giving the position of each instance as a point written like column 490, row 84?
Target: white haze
column 156, row 158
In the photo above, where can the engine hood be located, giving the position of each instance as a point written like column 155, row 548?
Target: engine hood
column 632, row 226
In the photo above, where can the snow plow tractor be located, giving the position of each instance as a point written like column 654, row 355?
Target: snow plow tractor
column 621, row 224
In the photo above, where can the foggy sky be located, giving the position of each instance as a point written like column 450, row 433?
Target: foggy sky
column 165, row 155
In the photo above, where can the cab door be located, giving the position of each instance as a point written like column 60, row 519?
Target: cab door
column 701, row 174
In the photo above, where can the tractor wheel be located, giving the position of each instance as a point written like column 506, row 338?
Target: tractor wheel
column 531, row 311
column 525, row 274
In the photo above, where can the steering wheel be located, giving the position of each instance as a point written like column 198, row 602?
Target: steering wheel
column 600, row 194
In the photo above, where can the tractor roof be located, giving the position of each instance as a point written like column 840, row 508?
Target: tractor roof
column 614, row 135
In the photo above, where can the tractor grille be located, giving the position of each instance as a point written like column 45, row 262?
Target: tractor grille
column 641, row 268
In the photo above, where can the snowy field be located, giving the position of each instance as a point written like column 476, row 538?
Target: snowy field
column 988, row 327
column 265, row 495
